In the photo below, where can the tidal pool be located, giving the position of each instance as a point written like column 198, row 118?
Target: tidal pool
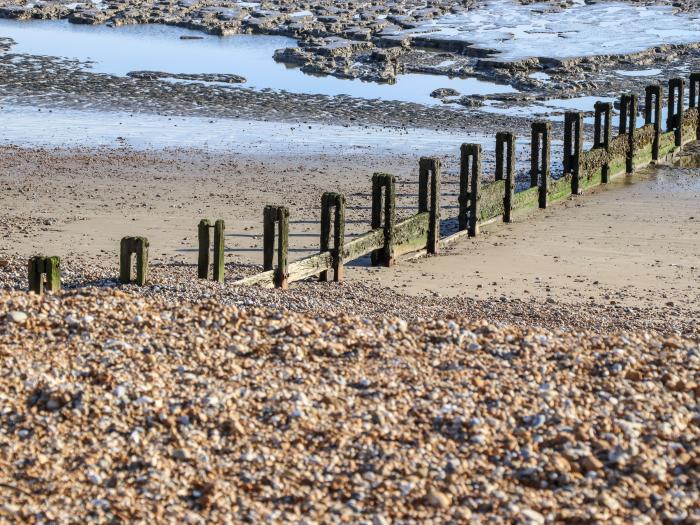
column 122, row 49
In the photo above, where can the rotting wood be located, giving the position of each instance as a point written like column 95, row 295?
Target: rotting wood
column 44, row 274
column 505, row 169
column 129, row 247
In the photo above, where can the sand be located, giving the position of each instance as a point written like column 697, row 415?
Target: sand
column 635, row 242
column 610, row 246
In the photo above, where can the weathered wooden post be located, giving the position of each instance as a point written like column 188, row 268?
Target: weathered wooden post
column 469, row 184
column 128, row 247
column 429, row 170
column 539, row 160
column 333, row 201
column 44, row 268
column 628, row 125
column 204, row 241
column 674, row 119
column 505, row 169
column 602, row 134
column 204, row 246
column 276, row 215
column 573, row 146
column 695, row 99
column 652, row 114
column 218, row 271
column 385, row 206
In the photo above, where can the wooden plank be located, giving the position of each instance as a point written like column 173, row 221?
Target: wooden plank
column 363, row 245
column 559, row 189
column 310, row 266
column 642, row 156
column 491, row 200
column 412, row 234
column 526, row 200
column 667, row 143
column 264, row 280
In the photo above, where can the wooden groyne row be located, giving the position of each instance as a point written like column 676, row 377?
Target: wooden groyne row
column 611, row 155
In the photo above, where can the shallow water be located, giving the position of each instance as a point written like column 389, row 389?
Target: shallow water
column 28, row 126
column 156, row 47
column 516, row 31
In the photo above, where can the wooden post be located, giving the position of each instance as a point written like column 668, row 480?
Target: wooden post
column 505, row 169
column 204, row 242
column 128, row 247
column 219, row 246
column 674, row 120
column 470, row 185
column 125, row 260
column 468, row 162
column 628, row 125
column 429, row 169
column 269, row 219
column 35, row 277
column 334, row 201
column 539, row 160
column 44, row 274
column 695, row 98
column 339, row 238
column 573, row 146
column 282, row 276
column 423, row 176
column 652, row 115
column 602, row 134
column 276, row 215
column 386, row 182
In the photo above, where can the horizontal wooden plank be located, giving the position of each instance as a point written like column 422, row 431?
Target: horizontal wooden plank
column 310, row 266
column 264, row 280
column 363, row 245
column 491, row 200
column 526, row 200
column 451, row 239
column 559, row 188
column 412, row 234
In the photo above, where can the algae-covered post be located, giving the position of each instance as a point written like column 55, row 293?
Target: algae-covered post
column 429, row 183
column 218, row 272
column 130, row 246
column 539, row 160
column 469, row 185
column 333, row 202
column 505, row 169
column 652, row 114
column 384, row 206
column 628, row 126
column 602, row 133
column 695, row 99
column 674, row 119
column 573, row 146
column 44, row 274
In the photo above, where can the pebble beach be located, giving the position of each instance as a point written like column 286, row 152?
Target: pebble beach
column 124, row 408
column 515, row 336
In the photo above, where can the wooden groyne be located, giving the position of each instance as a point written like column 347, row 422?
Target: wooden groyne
column 611, row 155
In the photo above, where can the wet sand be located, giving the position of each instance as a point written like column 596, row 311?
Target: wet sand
column 636, row 242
